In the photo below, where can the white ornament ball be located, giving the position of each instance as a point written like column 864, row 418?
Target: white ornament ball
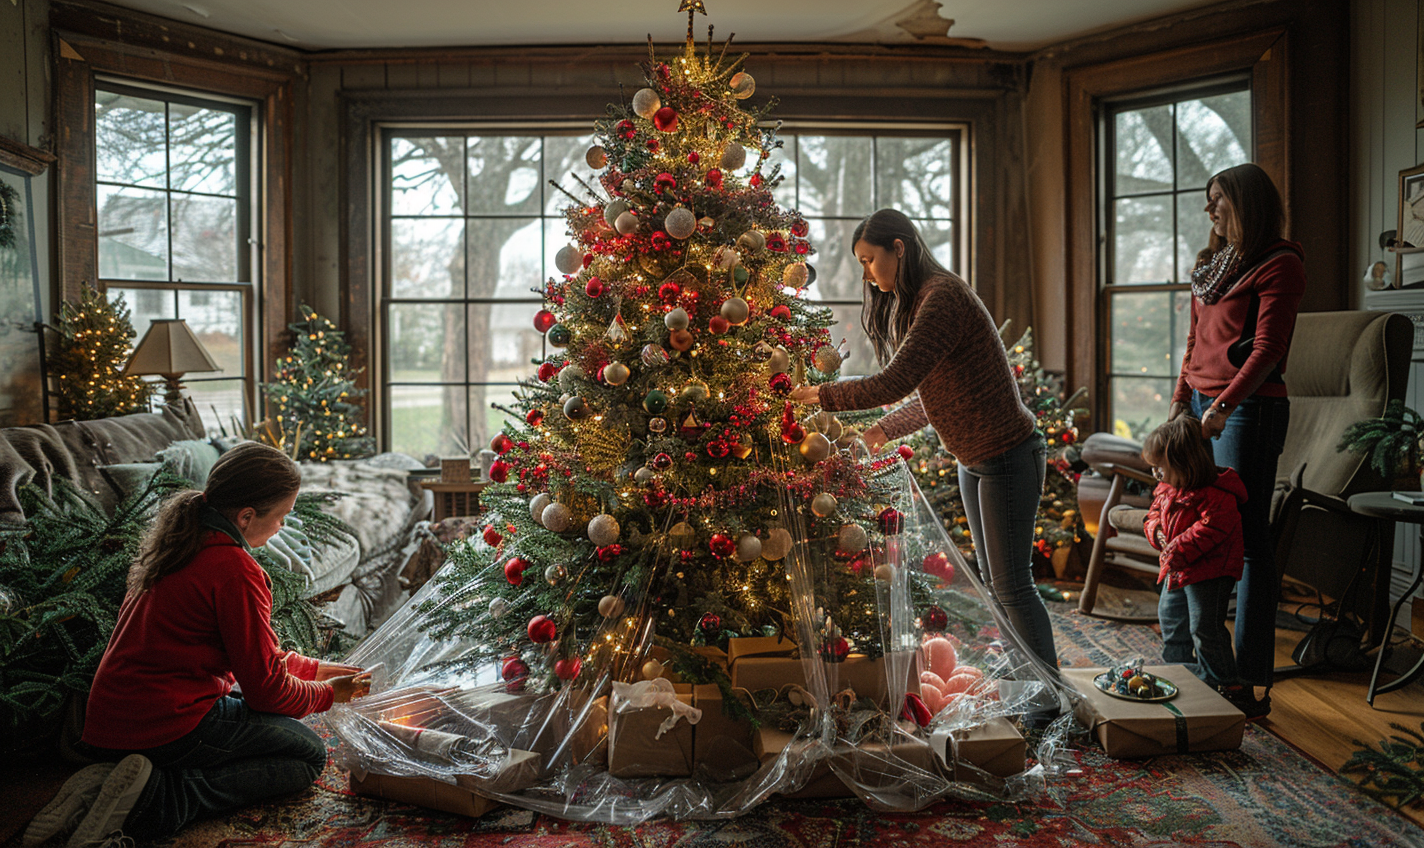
column 822, row 505
column 734, row 156
column 596, row 157
column 603, row 530
column 557, row 517
column 777, row 544
column 680, row 223
column 537, row 505
column 610, row 606
column 751, row 241
column 736, row 311
column 815, row 447
column 652, row 669
column 852, row 538
column 885, row 571
column 615, row 373
column 626, row 223
column 653, row 355
column 555, row 573
column 613, row 210
column 742, row 85
column 748, row 547
column 568, row 260
column 676, row 319
column 727, row 258
column 569, row 377
column 780, row 361
column 826, row 359
column 795, row 275
column 646, row 103
column 498, row 607
column 644, row 474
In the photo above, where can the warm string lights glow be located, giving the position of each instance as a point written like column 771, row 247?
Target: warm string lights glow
column 312, row 393
column 95, row 339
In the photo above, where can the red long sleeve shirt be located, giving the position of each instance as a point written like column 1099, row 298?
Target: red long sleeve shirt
column 180, row 645
column 1279, row 283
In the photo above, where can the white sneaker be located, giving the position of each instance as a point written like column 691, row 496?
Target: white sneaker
column 66, row 809
column 105, row 820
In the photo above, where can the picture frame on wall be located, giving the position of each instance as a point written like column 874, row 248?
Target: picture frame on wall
column 1409, row 267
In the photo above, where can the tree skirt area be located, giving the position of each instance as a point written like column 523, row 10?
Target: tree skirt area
column 1265, row 794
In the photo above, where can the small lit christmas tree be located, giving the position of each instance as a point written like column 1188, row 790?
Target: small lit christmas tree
column 95, row 339
column 313, row 397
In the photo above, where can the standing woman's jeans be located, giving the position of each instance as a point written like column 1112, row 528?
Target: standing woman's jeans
column 234, row 757
column 1001, row 497
column 1251, row 444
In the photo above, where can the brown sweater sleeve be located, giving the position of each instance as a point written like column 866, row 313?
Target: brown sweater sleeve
column 930, row 340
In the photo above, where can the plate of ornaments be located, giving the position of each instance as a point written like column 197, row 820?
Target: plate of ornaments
column 1131, row 682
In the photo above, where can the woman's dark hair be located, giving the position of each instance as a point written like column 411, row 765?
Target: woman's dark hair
column 1179, row 445
column 886, row 318
column 1258, row 207
column 250, row 475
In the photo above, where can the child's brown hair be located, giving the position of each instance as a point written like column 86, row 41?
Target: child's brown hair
column 1178, row 444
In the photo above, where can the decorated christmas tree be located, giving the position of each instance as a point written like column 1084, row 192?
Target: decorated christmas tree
column 313, row 398
column 95, row 339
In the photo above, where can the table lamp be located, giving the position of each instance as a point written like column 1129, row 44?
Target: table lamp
column 169, row 349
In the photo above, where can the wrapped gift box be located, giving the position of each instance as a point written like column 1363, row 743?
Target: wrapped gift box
column 1202, row 720
column 881, row 768
column 822, row 783
column 767, row 663
column 995, row 747
column 722, row 744
column 422, row 792
column 635, row 749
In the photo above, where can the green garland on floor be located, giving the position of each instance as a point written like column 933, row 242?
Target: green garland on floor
column 1393, row 774
column 63, row 575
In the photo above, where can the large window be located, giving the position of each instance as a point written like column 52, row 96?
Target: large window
column 1158, row 153
column 174, row 176
column 472, row 226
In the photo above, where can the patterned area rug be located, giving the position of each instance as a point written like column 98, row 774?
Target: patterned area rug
column 1265, row 794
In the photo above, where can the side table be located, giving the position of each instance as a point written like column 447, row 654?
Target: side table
column 1385, row 506
column 454, row 498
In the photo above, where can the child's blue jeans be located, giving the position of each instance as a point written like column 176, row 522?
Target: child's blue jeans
column 1194, row 633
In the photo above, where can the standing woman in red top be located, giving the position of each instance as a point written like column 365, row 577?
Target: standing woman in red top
column 1246, row 290
column 196, row 621
column 935, row 340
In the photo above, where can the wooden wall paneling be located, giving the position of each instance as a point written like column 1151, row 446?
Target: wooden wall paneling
column 276, row 236
column 322, row 183
column 427, row 72
column 1367, row 173
column 453, row 74
column 77, row 237
column 362, row 77
column 402, row 75
column 14, row 123
column 37, row 65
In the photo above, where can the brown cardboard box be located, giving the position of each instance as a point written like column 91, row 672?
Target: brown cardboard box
column 590, row 739
column 880, row 768
column 822, row 782
column 518, row 771
column 995, row 747
column 721, row 744
column 422, row 792
column 634, row 750
column 1126, row 729
column 866, row 676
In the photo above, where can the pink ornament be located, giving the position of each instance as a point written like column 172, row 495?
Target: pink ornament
column 931, row 679
column 940, row 657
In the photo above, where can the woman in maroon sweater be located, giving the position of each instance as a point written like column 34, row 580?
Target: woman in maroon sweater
column 1246, row 290
column 935, row 340
column 195, row 622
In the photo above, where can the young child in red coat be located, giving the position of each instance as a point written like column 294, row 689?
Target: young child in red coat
column 1195, row 521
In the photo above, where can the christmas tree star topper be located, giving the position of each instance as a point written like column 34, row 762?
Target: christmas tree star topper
column 691, row 7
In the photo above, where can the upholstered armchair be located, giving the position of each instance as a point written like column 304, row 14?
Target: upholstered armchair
column 1343, row 367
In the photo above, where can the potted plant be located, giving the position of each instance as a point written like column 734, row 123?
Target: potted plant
column 1391, row 442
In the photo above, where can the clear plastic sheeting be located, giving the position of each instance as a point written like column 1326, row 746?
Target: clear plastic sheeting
column 939, row 713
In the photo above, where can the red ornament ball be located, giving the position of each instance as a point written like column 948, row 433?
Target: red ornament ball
column 664, row 182
column 514, row 571
column 514, row 668
column 608, row 553
column 891, row 521
column 568, row 668
column 793, row 434
column 694, row 157
column 837, row 649
column 1067, row 436
column 755, row 181
column 714, row 178
column 499, row 471
column 722, row 545
column 775, row 242
column 501, row 443
column 665, row 119
column 718, row 325
column 543, row 320
column 935, row 619
column 594, row 288
column 780, row 384
column 662, row 462
column 781, row 312
column 938, row 564
column 800, row 228
column 906, row 452
column 492, row 536
column 710, row 624
column 534, row 417
column 669, row 292
column 542, row 629
column 547, row 372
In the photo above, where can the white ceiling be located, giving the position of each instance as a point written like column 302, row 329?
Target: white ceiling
column 337, row 24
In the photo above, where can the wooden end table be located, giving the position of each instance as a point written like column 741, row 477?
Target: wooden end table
column 453, row 499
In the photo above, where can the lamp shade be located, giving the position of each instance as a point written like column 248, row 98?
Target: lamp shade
column 169, row 347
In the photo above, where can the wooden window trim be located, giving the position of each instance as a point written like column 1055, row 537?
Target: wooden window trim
column 1263, row 55
column 79, row 59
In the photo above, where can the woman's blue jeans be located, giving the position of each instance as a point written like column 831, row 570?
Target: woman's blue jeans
column 1001, row 498
column 1251, row 444
column 234, row 757
column 1194, row 630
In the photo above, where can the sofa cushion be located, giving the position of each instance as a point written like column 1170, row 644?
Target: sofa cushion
column 128, row 478
column 191, row 459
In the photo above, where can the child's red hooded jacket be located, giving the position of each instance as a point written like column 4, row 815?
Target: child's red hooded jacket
column 1198, row 531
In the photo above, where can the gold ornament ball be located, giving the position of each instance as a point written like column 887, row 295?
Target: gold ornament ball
column 556, row 517
column 780, row 361
column 795, row 275
column 822, row 505
column 646, row 103
column 743, row 85
column 696, row 391
column 682, row 535
column 815, row 447
column 596, row 157
column 751, row 241
column 613, row 210
column 652, row 669
column 568, row 260
column 569, row 377
column 727, row 258
column 610, row 606
column 603, row 530
column 777, row 544
column 734, row 156
column 736, row 311
column 646, row 474
column 748, row 547
column 885, row 572
column 537, row 505
column 615, row 373
column 680, row 223
column 852, row 538
column 555, row 573
column 626, row 223
column 676, row 319
column 826, row 359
